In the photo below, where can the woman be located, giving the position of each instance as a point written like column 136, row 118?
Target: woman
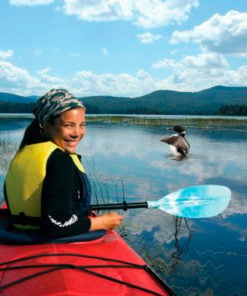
column 46, row 186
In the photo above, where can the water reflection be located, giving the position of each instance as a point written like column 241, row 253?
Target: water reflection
column 180, row 247
column 196, row 257
column 137, row 154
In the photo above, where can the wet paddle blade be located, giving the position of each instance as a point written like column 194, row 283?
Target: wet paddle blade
column 194, row 202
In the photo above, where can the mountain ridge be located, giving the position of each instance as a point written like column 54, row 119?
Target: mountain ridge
column 205, row 102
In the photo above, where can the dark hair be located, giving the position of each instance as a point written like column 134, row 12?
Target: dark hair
column 33, row 134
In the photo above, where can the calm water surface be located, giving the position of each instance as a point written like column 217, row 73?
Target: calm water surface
column 195, row 257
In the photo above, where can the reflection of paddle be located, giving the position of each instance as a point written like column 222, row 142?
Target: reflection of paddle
column 193, row 202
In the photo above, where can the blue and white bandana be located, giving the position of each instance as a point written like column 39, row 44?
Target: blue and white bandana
column 53, row 103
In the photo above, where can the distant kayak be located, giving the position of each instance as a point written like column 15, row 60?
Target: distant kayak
column 101, row 264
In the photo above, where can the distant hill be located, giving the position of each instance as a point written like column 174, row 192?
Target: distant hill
column 12, row 98
column 212, row 101
column 206, row 102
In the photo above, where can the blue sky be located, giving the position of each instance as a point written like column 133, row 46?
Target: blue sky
column 121, row 47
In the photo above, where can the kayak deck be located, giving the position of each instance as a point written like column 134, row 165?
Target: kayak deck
column 105, row 266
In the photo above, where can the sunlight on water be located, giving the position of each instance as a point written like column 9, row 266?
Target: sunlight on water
column 196, row 257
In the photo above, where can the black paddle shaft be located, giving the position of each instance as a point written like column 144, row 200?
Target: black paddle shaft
column 120, row 206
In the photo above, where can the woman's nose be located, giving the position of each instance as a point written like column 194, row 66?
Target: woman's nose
column 78, row 131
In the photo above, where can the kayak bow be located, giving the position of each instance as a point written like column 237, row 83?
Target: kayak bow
column 102, row 266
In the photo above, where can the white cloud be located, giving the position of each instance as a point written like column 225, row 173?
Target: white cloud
column 205, row 70
column 83, row 83
column 221, row 33
column 30, row 2
column 156, row 13
column 143, row 13
column 148, row 37
column 99, row 10
column 88, row 83
column 6, row 54
column 48, row 80
column 44, row 71
column 15, row 79
column 205, row 60
column 165, row 64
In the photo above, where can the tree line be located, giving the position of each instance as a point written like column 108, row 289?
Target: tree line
column 9, row 107
column 240, row 110
column 230, row 110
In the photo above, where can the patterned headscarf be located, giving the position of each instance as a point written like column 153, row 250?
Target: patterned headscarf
column 53, row 103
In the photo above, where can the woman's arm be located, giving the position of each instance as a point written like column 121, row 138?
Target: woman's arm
column 57, row 214
column 59, row 186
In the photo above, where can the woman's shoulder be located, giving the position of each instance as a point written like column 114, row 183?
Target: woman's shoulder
column 59, row 157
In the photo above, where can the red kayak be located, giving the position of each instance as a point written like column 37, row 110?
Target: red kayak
column 105, row 265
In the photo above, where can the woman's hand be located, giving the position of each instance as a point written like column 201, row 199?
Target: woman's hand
column 107, row 221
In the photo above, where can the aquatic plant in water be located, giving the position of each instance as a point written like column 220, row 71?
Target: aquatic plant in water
column 7, row 151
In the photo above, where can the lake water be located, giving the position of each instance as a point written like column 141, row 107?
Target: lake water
column 195, row 257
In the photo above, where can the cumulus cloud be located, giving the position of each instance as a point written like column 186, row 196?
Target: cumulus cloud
column 99, row 10
column 148, row 37
column 165, row 64
column 206, row 60
column 221, row 33
column 5, row 54
column 205, row 70
column 30, row 2
column 49, row 79
column 89, row 83
column 15, row 79
column 155, row 13
column 143, row 13
column 82, row 83
column 203, row 60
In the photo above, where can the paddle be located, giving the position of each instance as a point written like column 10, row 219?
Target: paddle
column 192, row 202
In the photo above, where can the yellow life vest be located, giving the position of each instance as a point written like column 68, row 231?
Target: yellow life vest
column 24, row 180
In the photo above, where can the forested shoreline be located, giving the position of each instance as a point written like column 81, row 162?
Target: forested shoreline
column 226, row 110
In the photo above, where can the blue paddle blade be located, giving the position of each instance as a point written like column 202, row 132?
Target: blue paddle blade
column 201, row 201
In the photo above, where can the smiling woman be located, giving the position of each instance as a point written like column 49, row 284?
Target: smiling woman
column 46, row 186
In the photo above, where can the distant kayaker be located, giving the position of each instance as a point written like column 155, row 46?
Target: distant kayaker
column 46, row 186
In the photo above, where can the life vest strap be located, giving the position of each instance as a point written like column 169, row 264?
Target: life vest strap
column 25, row 220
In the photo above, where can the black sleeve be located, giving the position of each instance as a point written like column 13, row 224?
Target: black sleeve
column 59, row 186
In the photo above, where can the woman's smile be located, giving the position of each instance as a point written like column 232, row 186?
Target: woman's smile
column 71, row 143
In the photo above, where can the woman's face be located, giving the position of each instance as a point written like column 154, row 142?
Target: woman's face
column 67, row 130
